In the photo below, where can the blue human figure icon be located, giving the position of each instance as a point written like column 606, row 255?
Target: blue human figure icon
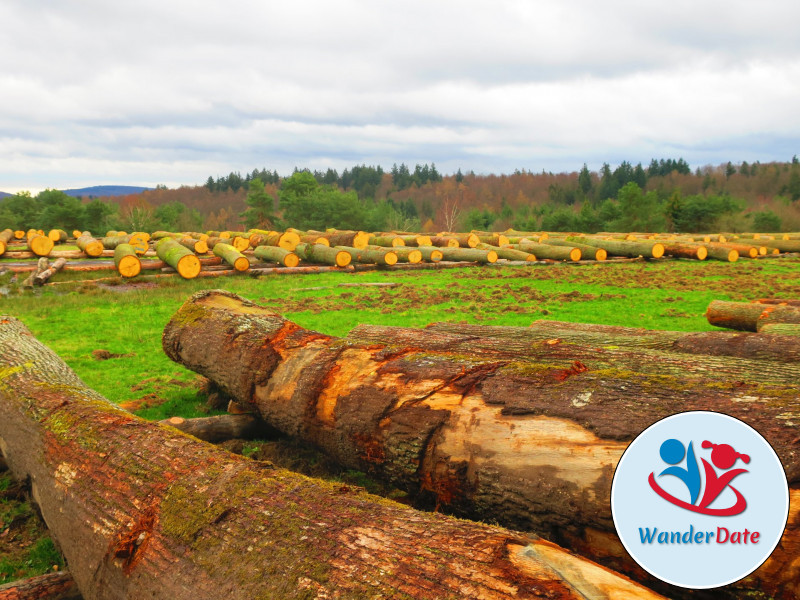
column 672, row 453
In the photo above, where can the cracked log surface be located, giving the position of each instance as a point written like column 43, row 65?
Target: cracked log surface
column 144, row 511
column 51, row 586
column 531, row 444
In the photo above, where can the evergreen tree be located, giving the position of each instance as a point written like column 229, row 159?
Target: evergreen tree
column 260, row 206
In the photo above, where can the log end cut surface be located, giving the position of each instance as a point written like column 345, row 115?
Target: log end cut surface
column 189, row 266
column 129, row 266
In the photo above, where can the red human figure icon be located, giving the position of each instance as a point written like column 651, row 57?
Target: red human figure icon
column 724, row 457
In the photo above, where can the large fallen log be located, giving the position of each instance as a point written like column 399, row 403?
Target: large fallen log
column 750, row 316
column 755, row 346
column 144, row 511
column 52, row 586
column 221, row 427
column 525, row 443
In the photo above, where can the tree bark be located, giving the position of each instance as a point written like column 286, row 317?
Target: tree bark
column 232, row 256
column 403, row 253
column 468, row 254
column 744, row 250
column 41, row 265
column 777, row 314
column 52, row 586
column 276, row 254
column 444, row 241
column 781, row 329
column 630, row 249
column 530, row 444
column 317, row 253
column 686, row 250
column 507, row 253
column 89, row 245
column 756, row 346
column 126, row 261
column 587, row 252
column 430, row 253
column 41, row 277
column 382, row 257
column 144, row 511
column 386, row 241
column 179, row 258
column 546, row 251
column 221, row 427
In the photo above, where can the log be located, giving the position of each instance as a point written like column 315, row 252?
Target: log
column 232, row 256
column 52, row 586
column 195, row 245
column 756, row 346
column 518, row 344
column 468, row 254
column 276, row 254
column 403, row 253
column 630, row 249
column 220, row 428
column 492, row 239
column 41, row 265
column 41, row 277
column 546, row 251
column 89, row 245
column 19, row 234
column 786, row 301
column 774, row 314
column 370, row 257
column 744, row 250
column 781, row 329
column 6, row 236
column 686, row 250
column 507, row 253
column 430, row 253
column 444, row 241
column 587, row 252
column 351, row 239
column 59, row 236
column 742, row 316
column 142, row 510
column 179, row 258
column 722, row 253
column 386, row 241
column 527, row 444
column 416, row 240
column 317, row 253
column 126, row 261
column 40, row 245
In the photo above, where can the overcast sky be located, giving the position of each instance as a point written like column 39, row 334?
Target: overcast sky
column 172, row 91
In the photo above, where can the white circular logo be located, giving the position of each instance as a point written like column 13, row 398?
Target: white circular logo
column 700, row 499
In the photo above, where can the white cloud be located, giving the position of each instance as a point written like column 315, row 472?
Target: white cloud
column 170, row 92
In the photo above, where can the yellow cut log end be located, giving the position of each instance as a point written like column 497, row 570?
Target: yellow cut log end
column 289, row 240
column 291, row 260
column 452, row 243
column 575, row 254
column 189, row 266
column 436, row 255
column 424, row 240
column 129, row 266
column 94, row 248
column 658, row 250
column 397, row 241
column 201, row 247
column 77, row 233
column 19, row 234
column 40, row 245
column 241, row 264
column 323, row 241
column 2, row 248
column 343, row 258
column 414, row 257
column 601, row 254
column 390, row 258
column 491, row 256
column 702, row 253
column 361, row 239
column 733, row 256
column 241, row 243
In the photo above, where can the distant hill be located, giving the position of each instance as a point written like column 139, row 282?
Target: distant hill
column 4, row 194
column 102, row 191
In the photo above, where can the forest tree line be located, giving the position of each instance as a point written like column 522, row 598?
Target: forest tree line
column 664, row 196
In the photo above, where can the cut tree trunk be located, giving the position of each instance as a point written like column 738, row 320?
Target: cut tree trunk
column 351, row 239
column 52, row 586
column 781, row 329
column 370, row 257
column 746, row 316
column 468, row 254
column 221, row 428
column 744, row 250
column 145, row 511
column 386, row 241
column 89, row 245
column 528, row 444
column 723, row 254
column 317, row 253
column 183, row 260
column 417, row 240
column 786, row 301
column 232, row 256
column 42, row 277
column 444, row 241
column 403, row 253
column 40, row 245
column 59, row 236
column 507, row 253
column 430, row 253
column 127, row 261
column 756, row 346
column 196, row 246
column 782, row 376
column 775, row 314
column 546, row 251
column 41, row 265
column 686, row 250
column 630, row 249
column 276, row 254
column 587, row 252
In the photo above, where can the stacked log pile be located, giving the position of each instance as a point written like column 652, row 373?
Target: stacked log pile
column 143, row 510
column 262, row 251
column 515, row 425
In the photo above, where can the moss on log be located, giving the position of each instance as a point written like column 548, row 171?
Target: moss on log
column 276, row 254
column 183, row 260
column 232, row 256
column 317, row 253
column 141, row 510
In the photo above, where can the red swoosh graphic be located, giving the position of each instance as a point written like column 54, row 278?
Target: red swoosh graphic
column 736, row 509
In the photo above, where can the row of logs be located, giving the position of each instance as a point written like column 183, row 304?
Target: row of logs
column 775, row 316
